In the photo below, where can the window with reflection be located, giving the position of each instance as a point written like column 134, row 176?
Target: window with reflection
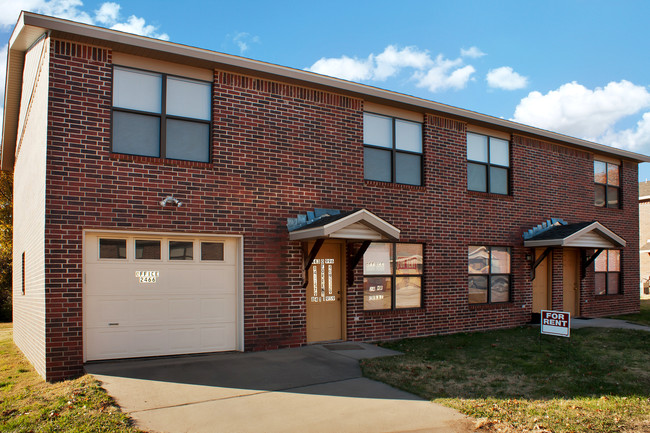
column 607, row 267
column 160, row 115
column 112, row 248
column 606, row 184
column 392, row 276
column 489, row 274
column 488, row 164
column 212, row 251
column 181, row 250
column 146, row 249
column 392, row 149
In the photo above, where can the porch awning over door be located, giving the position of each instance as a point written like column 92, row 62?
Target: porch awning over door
column 360, row 225
column 579, row 235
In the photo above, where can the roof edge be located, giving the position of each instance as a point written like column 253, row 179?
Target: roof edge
column 30, row 19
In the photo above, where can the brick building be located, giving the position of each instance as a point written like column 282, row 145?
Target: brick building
column 174, row 200
column 644, row 238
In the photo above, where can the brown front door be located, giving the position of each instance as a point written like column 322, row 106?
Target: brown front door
column 324, row 295
column 571, row 276
column 542, row 283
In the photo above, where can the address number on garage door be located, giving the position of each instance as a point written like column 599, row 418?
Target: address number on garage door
column 147, row 276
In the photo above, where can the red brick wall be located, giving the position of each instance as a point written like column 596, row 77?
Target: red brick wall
column 279, row 150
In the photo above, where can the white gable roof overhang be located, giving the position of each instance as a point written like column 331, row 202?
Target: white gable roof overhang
column 361, row 225
column 594, row 235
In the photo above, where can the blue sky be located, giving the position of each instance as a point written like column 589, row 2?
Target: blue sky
column 576, row 67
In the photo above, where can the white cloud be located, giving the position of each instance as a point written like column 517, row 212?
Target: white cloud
column 445, row 74
column 505, row 78
column 10, row 9
column 138, row 26
column 472, row 52
column 3, row 71
column 635, row 139
column 243, row 41
column 344, row 67
column 107, row 15
column 392, row 60
column 575, row 110
column 435, row 74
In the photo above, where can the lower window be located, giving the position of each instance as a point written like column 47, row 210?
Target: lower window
column 392, row 276
column 608, row 272
column 489, row 274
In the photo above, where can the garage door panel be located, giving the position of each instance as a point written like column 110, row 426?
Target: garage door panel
column 189, row 307
column 107, row 344
column 217, row 338
column 107, row 310
column 148, row 341
column 110, row 279
column 217, row 309
column 182, row 340
column 184, row 310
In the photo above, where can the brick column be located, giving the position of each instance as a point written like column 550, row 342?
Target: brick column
column 557, row 285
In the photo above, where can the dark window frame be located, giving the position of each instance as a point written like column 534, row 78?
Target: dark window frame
column 394, row 151
column 394, row 276
column 23, row 272
column 184, row 257
column 136, row 240
column 126, row 248
column 163, row 116
column 607, row 185
column 607, row 273
column 489, row 164
column 490, row 274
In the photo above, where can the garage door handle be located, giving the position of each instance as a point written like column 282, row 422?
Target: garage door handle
column 113, row 324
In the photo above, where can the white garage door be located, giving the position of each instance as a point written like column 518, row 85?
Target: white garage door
column 159, row 295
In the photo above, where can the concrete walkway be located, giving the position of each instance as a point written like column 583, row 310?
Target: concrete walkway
column 606, row 323
column 317, row 388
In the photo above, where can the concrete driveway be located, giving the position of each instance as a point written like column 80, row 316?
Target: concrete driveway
column 316, row 388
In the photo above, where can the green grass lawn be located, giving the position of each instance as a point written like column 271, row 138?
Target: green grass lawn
column 597, row 381
column 642, row 318
column 29, row 404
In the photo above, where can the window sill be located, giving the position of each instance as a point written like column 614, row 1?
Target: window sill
column 392, row 312
column 608, row 296
column 493, row 306
column 159, row 161
column 394, row 185
column 491, row 195
column 613, row 209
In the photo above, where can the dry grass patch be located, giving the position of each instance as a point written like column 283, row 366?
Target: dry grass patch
column 511, row 381
column 29, row 404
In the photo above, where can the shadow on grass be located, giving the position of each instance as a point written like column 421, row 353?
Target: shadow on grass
column 518, row 363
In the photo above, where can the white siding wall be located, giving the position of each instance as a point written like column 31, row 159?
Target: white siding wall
column 29, row 209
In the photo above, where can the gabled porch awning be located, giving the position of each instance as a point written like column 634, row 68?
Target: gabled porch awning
column 360, row 225
column 580, row 235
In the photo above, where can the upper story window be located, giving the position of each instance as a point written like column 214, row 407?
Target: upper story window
column 607, row 184
column 392, row 149
column 161, row 115
column 488, row 164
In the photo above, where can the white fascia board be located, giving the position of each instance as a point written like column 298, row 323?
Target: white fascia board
column 386, row 230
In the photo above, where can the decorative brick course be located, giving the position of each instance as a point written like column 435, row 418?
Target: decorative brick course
column 278, row 150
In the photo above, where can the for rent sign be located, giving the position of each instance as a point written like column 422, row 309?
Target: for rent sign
column 556, row 323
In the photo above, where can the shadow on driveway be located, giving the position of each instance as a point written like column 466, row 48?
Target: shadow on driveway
column 317, row 388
